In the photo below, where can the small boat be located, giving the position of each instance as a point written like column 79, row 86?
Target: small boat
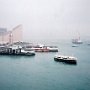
column 66, row 59
column 74, row 45
column 88, row 44
column 77, row 41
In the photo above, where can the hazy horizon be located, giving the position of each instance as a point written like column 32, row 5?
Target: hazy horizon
column 47, row 19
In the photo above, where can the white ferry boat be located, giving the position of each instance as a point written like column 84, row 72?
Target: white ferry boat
column 65, row 59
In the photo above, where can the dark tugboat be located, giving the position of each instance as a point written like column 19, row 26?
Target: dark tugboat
column 66, row 59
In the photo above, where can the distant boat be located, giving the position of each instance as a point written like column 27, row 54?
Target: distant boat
column 74, row 45
column 77, row 41
column 88, row 44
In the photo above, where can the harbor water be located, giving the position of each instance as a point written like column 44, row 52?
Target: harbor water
column 41, row 72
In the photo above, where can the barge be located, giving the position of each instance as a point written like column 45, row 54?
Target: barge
column 16, row 50
column 43, row 48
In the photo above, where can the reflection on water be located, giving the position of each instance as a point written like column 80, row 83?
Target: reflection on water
column 74, row 64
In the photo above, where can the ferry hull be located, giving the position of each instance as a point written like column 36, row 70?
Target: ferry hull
column 66, row 61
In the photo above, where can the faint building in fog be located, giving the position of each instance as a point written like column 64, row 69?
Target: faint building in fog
column 3, row 30
column 15, row 35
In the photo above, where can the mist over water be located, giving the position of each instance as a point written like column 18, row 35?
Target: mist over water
column 47, row 19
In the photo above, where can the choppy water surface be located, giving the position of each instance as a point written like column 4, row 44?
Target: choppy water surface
column 41, row 72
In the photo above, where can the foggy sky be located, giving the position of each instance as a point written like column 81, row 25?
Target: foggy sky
column 47, row 19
